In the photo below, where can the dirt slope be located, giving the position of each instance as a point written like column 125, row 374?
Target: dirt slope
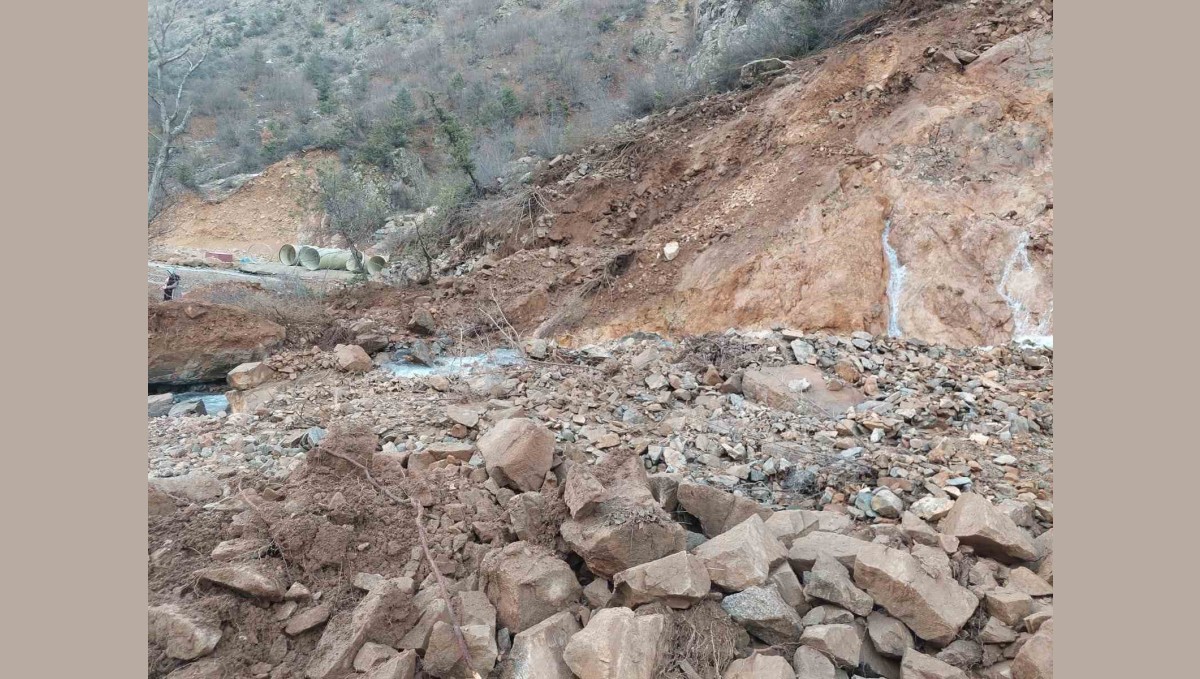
column 779, row 198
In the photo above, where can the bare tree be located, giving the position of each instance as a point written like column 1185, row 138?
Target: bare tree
column 354, row 205
column 173, row 59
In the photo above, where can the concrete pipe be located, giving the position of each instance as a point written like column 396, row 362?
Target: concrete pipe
column 315, row 259
column 287, row 255
column 375, row 264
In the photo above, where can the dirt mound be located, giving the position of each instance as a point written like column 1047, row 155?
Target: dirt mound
column 193, row 342
column 269, row 210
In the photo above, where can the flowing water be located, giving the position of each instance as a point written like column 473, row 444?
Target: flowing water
column 213, row 402
column 1018, row 286
column 451, row 365
column 896, row 276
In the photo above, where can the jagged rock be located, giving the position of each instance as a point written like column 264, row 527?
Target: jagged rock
column 616, row 644
column 517, row 453
column 158, row 503
column 525, row 512
column 239, row 548
column 583, row 492
column 978, row 523
column 307, row 620
column 443, row 657
column 1009, row 605
column 996, row 632
column 1025, row 580
column 826, row 614
column 717, row 510
column 187, row 408
column 597, row 593
column 346, row 632
column 208, row 668
column 742, row 556
column 245, row 580
column 159, row 405
column 890, row 636
column 930, row 508
column 961, row 653
column 352, row 358
column 790, row 524
column 764, row 613
column 372, row 654
column 810, row 663
column 401, row 666
column 182, row 634
column 1035, row 660
column 805, row 549
column 916, row 665
column 537, row 652
column 759, row 666
column 527, row 584
column 467, row 416
column 250, row 375
column 840, row 643
column 421, row 322
column 934, row 609
column 830, row 581
column 677, row 580
column 784, row 579
column 799, row 388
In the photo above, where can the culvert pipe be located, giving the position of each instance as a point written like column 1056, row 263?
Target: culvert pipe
column 315, row 259
column 375, row 264
column 288, row 256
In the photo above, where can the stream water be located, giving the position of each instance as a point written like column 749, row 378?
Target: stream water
column 896, row 275
column 451, row 365
column 1018, row 285
column 213, row 402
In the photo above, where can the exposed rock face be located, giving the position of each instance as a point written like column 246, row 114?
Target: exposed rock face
column 527, row 584
column 742, row 556
column 935, row 610
column 616, row 644
column 518, row 452
column 193, row 342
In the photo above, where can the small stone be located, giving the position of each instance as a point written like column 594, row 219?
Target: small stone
column 181, row 634
column 931, row 508
column 307, row 619
column 1024, row 580
column 671, row 250
column 890, row 636
column 886, row 504
column 1009, row 605
column 372, row 654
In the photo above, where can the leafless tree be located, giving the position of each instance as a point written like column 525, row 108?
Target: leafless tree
column 173, row 58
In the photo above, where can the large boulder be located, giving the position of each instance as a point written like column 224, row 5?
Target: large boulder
column 742, row 556
column 1035, row 660
column 537, row 652
column 527, row 584
column 250, row 375
column 158, row 405
column 841, row 643
column 678, row 580
column 764, row 613
column 194, row 342
column 386, row 608
column 799, row 388
column 789, row 524
column 443, row 656
column 813, row 664
column 616, row 644
column 935, row 609
column 916, row 665
column 517, row 453
column 717, row 510
column 977, row 522
column 830, row 581
column 182, row 634
column 352, row 358
column 805, row 550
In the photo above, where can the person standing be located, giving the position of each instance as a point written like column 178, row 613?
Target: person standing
column 172, row 284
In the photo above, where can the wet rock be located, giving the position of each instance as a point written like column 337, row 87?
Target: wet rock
column 916, row 665
column 538, row 651
column 187, row 408
column 934, row 610
column 840, row 643
column 677, row 580
column 805, row 549
column 890, row 636
column 759, row 666
column 976, row 522
column 182, row 634
column 351, row 358
column 743, row 556
column 830, row 581
column 616, row 644
column 308, row 619
column 527, row 584
column 764, row 613
column 245, row 580
column 250, row 375
column 518, row 452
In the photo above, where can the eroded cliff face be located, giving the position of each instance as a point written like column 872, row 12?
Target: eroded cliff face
column 780, row 200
